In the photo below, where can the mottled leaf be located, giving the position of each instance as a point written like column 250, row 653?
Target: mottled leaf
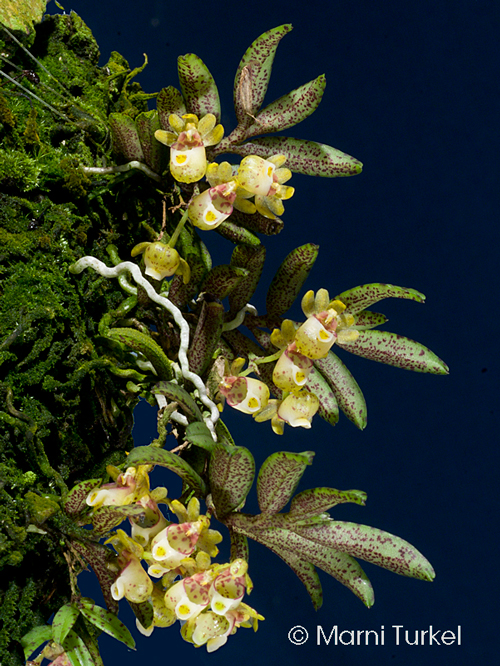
column 368, row 319
column 178, row 394
column 253, row 73
column 169, row 101
column 205, row 339
column 144, row 344
column 289, row 278
column 143, row 612
column 232, row 470
column 107, row 622
column 347, row 392
column 107, row 518
column 198, row 86
column 372, row 545
column 223, row 434
column 35, row 638
column 307, row 573
column 147, row 123
column 75, row 501
column 198, row 434
column 222, row 279
column 63, row 621
column 237, row 234
column 359, row 298
column 307, row 157
column 328, row 406
column 289, row 109
column 396, row 350
column 76, row 650
column 239, row 546
column 256, row 223
column 98, row 556
column 251, row 259
column 278, row 478
column 317, row 500
column 125, row 137
column 152, row 455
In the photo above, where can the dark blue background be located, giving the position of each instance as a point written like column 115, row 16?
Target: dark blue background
column 411, row 92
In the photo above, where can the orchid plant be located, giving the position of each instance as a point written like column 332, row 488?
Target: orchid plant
column 185, row 337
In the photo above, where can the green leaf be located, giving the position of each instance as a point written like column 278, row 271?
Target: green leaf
column 143, row 612
column 289, row 278
column 253, row 73
column 359, row 298
column 75, row 501
column 179, row 395
column 222, row 279
column 205, row 339
column 236, row 233
column 231, row 473
column 169, row 101
column 198, row 86
column 346, row 389
column 147, row 123
column 372, row 545
column 317, row 500
column 307, row 157
column 223, row 434
column 125, row 137
column 393, row 349
column 239, row 546
column 289, row 109
column 198, row 434
column 368, row 319
column 328, row 406
column 307, row 573
column 143, row 343
column 152, row 455
column 76, row 650
column 278, row 478
column 63, row 620
column 107, row 622
column 256, row 223
column 21, row 15
column 252, row 260
column 105, row 518
column 99, row 556
column 35, row 638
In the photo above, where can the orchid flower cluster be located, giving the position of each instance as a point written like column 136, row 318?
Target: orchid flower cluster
column 206, row 598
column 299, row 346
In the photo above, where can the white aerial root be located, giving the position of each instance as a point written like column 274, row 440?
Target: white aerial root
column 240, row 316
column 135, row 272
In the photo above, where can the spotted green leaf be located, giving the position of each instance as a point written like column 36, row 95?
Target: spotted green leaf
column 107, row 622
column 307, row 157
column 317, row 500
column 306, row 572
column 290, row 109
column 143, row 343
column 198, row 434
column 222, row 279
column 231, row 472
column 198, row 86
column 35, row 638
column 359, row 298
column 147, row 123
column 76, row 650
column 143, row 612
column 98, row 556
column 252, row 260
column 393, row 349
column 152, row 455
column 349, row 396
column 75, row 501
column 370, row 544
column 278, row 477
column 106, row 518
column 328, row 406
column 178, row 394
column 289, row 278
column 125, row 137
column 206, row 336
column 253, row 73
column 63, row 621
column 169, row 101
